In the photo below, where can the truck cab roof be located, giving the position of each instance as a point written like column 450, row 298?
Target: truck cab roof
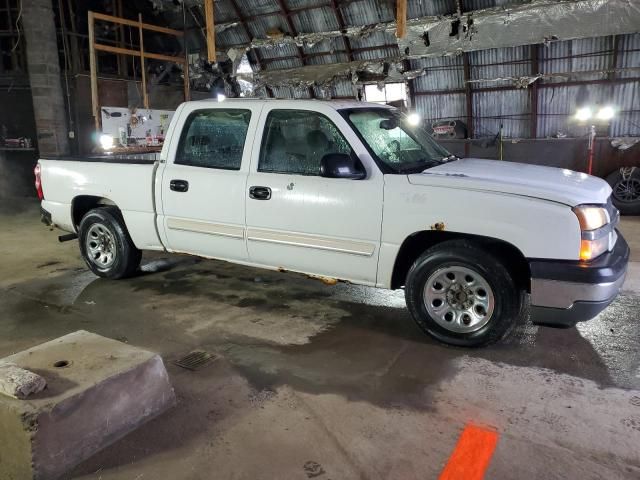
column 289, row 103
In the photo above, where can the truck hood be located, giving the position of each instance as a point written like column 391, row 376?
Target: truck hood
column 547, row 183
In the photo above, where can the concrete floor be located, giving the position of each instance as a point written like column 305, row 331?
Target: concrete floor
column 339, row 376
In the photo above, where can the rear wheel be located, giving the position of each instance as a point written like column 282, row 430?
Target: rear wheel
column 105, row 244
column 462, row 295
column 625, row 184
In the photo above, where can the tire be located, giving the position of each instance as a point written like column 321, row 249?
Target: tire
column 105, row 244
column 481, row 284
column 625, row 184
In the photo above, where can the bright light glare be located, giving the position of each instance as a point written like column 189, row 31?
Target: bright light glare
column 221, row 97
column 583, row 114
column 606, row 113
column 413, row 119
column 106, row 141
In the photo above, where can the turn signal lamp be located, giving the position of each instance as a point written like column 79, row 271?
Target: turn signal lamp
column 586, row 253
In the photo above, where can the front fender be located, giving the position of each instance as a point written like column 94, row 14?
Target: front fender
column 538, row 228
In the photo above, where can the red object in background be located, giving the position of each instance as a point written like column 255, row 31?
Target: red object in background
column 36, row 171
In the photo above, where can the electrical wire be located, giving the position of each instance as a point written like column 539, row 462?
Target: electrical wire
column 67, row 63
column 13, row 49
column 135, row 81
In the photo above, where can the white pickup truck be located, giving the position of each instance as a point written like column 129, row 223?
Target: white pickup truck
column 354, row 192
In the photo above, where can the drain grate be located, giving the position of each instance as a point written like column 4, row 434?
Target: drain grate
column 196, row 360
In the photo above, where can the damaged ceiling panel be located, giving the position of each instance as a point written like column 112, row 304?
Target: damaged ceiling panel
column 540, row 21
column 318, row 43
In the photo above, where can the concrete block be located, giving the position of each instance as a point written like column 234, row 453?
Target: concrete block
column 98, row 390
column 19, row 383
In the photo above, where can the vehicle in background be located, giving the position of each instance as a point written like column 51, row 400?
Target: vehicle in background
column 355, row 192
column 625, row 183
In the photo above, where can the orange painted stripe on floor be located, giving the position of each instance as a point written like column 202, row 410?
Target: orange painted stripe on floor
column 472, row 455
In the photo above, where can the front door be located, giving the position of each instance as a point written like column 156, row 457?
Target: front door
column 203, row 186
column 301, row 221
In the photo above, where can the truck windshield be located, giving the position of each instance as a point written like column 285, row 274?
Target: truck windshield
column 394, row 142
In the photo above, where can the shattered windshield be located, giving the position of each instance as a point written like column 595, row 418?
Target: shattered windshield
column 402, row 147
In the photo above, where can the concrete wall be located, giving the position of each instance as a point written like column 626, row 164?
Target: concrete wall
column 44, row 76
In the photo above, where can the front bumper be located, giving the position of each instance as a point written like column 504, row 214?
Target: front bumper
column 566, row 292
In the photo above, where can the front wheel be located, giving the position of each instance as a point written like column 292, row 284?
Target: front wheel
column 462, row 295
column 105, row 244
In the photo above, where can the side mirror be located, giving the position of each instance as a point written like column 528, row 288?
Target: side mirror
column 341, row 165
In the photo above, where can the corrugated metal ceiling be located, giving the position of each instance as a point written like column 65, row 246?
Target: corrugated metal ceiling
column 494, row 102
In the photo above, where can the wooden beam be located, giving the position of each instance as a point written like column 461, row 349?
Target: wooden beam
column 145, row 95
column 93, row 67
column 133, row 23
column 211, row 32
column 136, row 53
column 401, row 18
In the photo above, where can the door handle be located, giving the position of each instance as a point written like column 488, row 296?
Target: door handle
column 179, row 185
column 260, row 193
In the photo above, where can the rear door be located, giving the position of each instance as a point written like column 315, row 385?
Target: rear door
column 203, row 183
column 301, row 221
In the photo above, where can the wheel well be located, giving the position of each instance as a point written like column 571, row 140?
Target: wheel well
column 82, row 204
column 418, row 242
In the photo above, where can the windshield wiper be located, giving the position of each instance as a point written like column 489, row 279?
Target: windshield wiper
column 450, row 158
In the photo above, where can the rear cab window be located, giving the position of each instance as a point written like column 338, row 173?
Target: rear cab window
column 214, row 138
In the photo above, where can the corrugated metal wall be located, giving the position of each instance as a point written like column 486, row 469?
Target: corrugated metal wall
column 577, row 72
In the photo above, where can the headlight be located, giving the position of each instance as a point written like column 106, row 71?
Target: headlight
column 595, row 238
column 591, row 217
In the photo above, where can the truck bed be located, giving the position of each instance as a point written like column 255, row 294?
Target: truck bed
column 123, row 180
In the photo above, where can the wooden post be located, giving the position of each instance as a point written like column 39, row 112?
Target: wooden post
column 95, row 108
column 143, row 68
column 211, row 33
column 401, row 18
column 99, row 47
